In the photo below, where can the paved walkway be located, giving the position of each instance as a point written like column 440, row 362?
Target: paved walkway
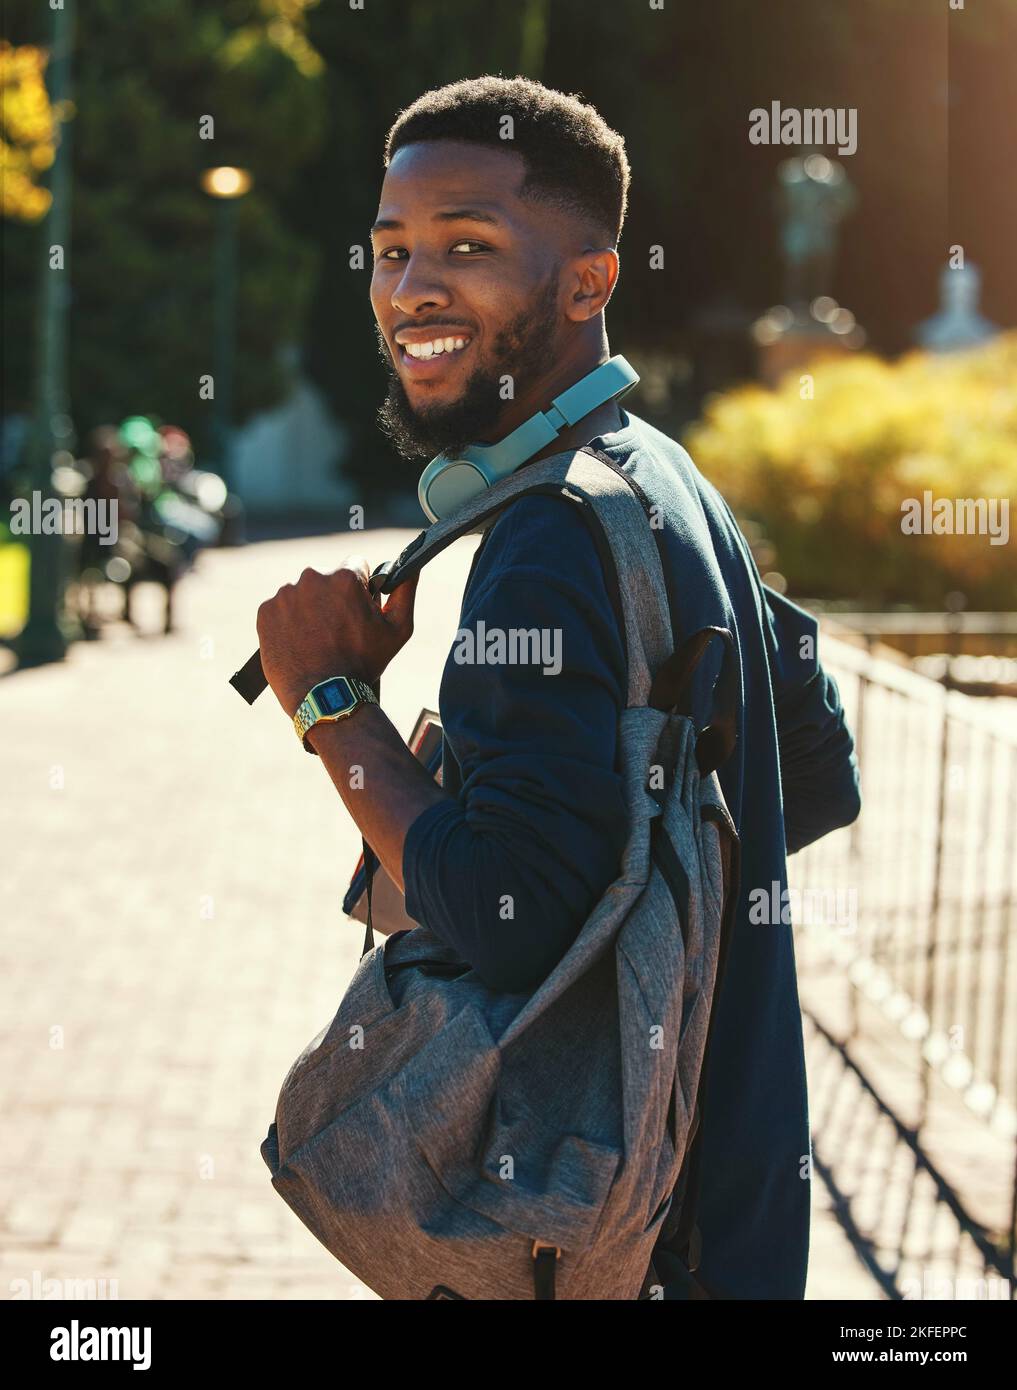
column 171, row 874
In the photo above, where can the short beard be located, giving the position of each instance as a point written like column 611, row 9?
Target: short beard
column 525, row 349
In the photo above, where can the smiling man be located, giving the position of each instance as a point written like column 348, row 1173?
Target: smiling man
column 491, row 270
column 495, row 256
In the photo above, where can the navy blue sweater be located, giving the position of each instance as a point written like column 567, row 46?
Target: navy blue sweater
column 508, row 872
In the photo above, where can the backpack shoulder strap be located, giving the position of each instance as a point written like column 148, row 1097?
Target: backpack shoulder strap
column 619, row 517
column 618, row 512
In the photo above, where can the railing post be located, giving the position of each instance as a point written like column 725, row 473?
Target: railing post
column 935, row 906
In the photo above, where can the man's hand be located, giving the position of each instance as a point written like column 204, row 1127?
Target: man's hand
column 331, row 625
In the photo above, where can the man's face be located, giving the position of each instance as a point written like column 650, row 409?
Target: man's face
column 466, row 291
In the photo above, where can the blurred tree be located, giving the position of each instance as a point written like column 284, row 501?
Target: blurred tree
column 303, row 93
column 145, row 78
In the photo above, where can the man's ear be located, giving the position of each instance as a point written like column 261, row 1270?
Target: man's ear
column 596, row 274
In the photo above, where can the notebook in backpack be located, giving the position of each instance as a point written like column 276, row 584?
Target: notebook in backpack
column 385, row 900
column 443, row 1140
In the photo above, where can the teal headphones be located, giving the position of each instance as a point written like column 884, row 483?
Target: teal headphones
column 446, row 483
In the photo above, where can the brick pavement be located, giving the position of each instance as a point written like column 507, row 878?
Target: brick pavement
column 171, row 872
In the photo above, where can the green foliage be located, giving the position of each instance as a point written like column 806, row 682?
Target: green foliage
column 141, row 262
column 303, row 92
column 826, row 477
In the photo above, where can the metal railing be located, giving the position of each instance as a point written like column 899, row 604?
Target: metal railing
column 910, row 998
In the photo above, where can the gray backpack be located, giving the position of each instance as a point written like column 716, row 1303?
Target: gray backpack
column 444, row 1140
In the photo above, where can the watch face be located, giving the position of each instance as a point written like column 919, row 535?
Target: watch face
column 334, row 696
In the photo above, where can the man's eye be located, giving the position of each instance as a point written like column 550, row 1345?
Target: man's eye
column 398, row 253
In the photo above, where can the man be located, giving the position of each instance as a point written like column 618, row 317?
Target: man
column 494, row 261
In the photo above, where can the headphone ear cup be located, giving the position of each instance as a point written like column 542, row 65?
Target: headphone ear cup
column 447, row 484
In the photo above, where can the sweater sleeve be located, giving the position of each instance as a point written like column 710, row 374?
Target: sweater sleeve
column 508, row 872
column 818, row 768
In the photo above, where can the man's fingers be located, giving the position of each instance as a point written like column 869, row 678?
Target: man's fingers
column 399, row 609
column 359, row 565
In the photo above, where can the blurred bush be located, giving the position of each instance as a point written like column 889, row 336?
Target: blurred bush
column 825, row 476
column 26, row 132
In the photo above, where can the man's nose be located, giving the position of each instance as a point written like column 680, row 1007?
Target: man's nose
column 420, row 287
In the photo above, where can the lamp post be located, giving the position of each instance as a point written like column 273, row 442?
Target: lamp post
column 45, row 635
column 226, row 185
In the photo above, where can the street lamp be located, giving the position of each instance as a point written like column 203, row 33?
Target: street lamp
column 226, row 185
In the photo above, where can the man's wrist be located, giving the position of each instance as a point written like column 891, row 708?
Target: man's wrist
column 327, row 731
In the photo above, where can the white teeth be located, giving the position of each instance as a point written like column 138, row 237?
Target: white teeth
column 423, row 351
